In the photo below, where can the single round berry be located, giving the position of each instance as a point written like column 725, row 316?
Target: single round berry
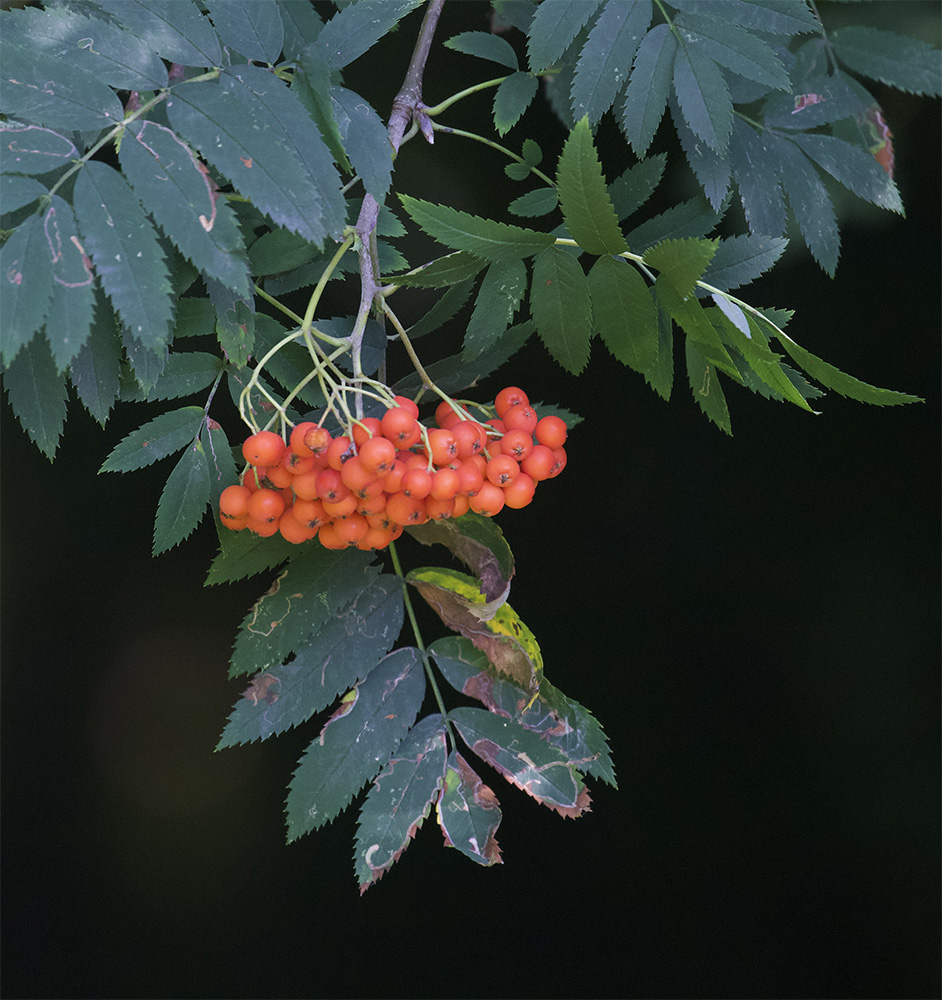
column 539, row 463
column 264, row 448
column 470, row 438
column 377, row 455
column 520, row 492
column 398, row 424
column 265, row 505
column 502, row 470
column 416, row 483
column 520, row 417
column 446, row 484
column 294, row 531
column 317, row 439
column 442, row 446
column 489, row 500
column 338, row 451
column 234, row 502
column 296, row 441
column 365, row 429
column 509, row 397
column 516, row 444
column 551, row 431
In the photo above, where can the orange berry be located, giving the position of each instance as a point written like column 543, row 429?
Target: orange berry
column 310, row 513
column 509, row 397
column 365, row 429
column 342, row 508
column 330, row 486
column 317, row 440
column 470, row 438
column 462, row 505
column 560, row 463
column 539, row 463
column 278, row 475
column 416, row 484
column 355, row 475
column 297, row 464
column 516, row 444
column 502, row 470
column 328, row 537
column 445, row 412
column 408, row 404
column 520, row 417
column 489, row 500
column 293, row 530
column 442, row 446
column 264, row 448
column 438, row 509
column 470, row 477
column 338, row 451
column 377, row 455
column 265, row 505
column 305, row 485
column 398, row 424
column 371, row 506
column 236, row 523
column 445, row 484
column 520, row 492
column 351, row 528
column 375, row 538
column 393, row 479
column 551, row 431
column 264, row 529
column 405, row 510
column 234, row 502
column 296, row 441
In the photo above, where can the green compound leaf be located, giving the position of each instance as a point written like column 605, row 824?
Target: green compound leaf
column 681, row 262
column 443, row 272
column 444, row 309
column 400, row 800
column 469, row 813
column 279, row 250
column 606, row 57
column 511, row 99
column 356, row 742
column 243, row 554
column 777, row 17
column 559, row 720
column 491, row 625
column 649, row 87
column 184, row 499
column 479, row 543
column 357, row 27
column 693, row 320
column 502, row 290
column 128, row 260
column 632, row 189
column 222, row 467
column 155, row 440
column 315, row 585
column 583, row 196
column 524, row 759
column 37, row 394
column 690, row 220
column 623, row 312
column 703, row 96
column 561, row 308
column 94, row 371
column 71, row 307
column 713, row 172
column 756, row 162
column 732, row 46
column 302, row 26
column 249, row 27
column 26, row 269
column 59, row 96
column 554, row 26
column 364, row 139
column 29, row 149
column 741, row 259
column 335, row 658
column 705, row 386
column 177, row 191
column 235, row 130
column 484, row 45
column 185, row 374
column 541, row 201
column 905, row 63
column 660, row 376
column 174, row 29
column 480, row 237
column 811, row 205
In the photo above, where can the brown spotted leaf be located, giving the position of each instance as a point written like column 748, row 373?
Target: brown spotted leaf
column 524, row 759
column 469, row 813
column 497, row 631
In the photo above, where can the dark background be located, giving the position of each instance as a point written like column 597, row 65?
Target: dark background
column 754, row 620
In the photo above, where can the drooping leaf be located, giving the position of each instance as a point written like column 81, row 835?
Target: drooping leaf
column 623, row 313
column 37, row 394
column 648, row 88
column 444, row 309
column 755, row 157
column 484, row 45
column 94, row 371
column 364, row 139
column 705, row 386
column 280, row 250
column 314, row 586
column 123, row 246
column 332, row 661
column 145, row 365
column 30, row 149
column 712, row 170
column 400, row 800
column 235, row 321
column 741, row 259
column 540, row 201
column 554, row 26
column 356, row 742
column 222, row 467
column 811, row 205
column 493, row 626
column 690, row 316
column 234, row 130
column 703, row 96
column 524, row 759
column 69, row 317
column 502, row 290
column 479, row 543
column 898, row 61
column 469, row 813
column 102, row 48
column 631, row 190
column 583, row 196
column 357, row 27
column 26, row 270
column 480, row 237
column 174, row 29
column 184, row 499
column 512, row 98
column 68, row 98
column 660, row 376
column 155, row 440
column 560, row 307
column 606, row 57
column 249, row 27
column 557, row 719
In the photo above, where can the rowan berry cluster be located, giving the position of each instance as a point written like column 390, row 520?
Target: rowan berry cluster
column 363, row 487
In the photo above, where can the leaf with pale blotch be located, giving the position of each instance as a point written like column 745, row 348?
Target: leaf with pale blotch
column 30, row 149
column 26, row 273
column 313, row 588
column 558, row 719
column 124, row 249
column 356, row 742
column 524, row 759
column 502, row 289
column 706, row 388
column 443, row 272
column 37, row 393
column 583, row 196
column 479, row 543
column 71, row 307
column 623, row 313
column 492, row 626
column 561, row 307
column 400, row 800
column 333, row 660
column 469, row 813
column 183, row 500
column 480, row 237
